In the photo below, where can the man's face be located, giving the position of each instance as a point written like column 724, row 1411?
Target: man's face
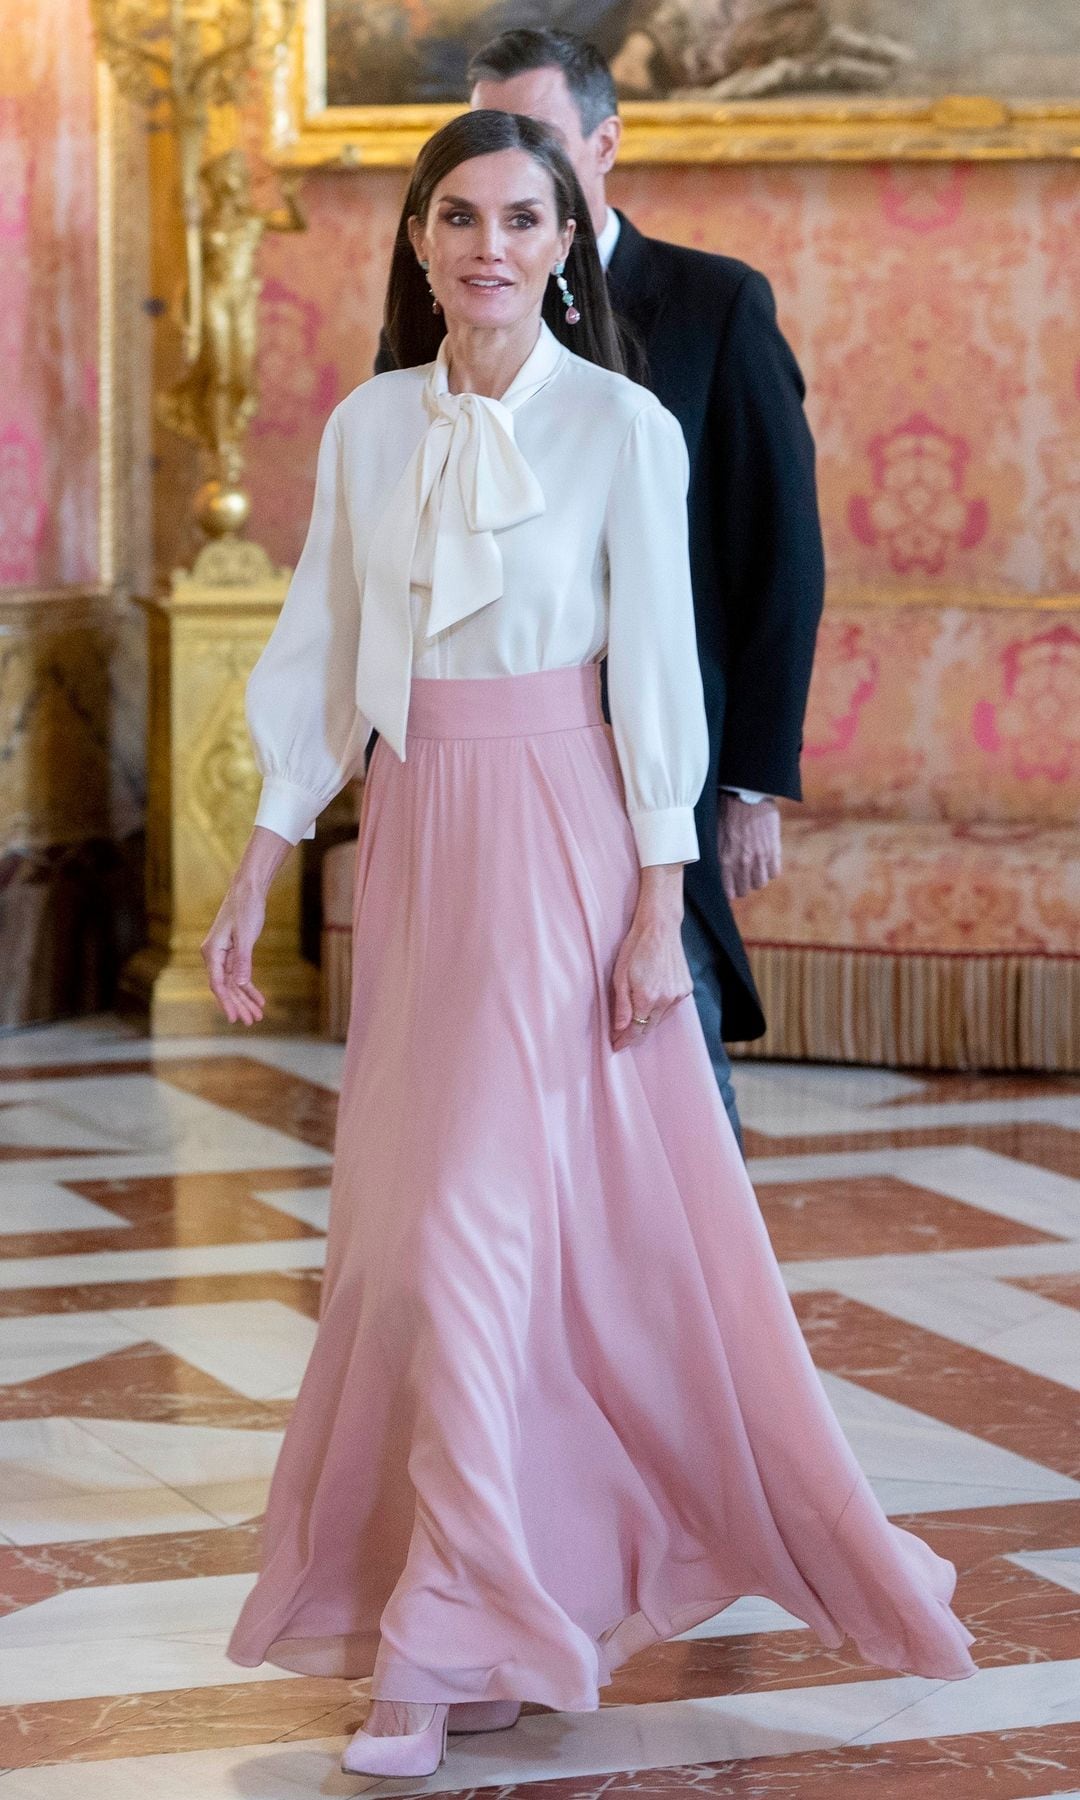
column 542, row 94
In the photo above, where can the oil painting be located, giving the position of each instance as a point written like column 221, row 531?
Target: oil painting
column 416, row 52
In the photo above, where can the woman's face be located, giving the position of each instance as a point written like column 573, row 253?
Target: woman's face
column 491, row 239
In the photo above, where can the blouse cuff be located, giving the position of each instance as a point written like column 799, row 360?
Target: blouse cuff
column 289, row 810
column 668, row 835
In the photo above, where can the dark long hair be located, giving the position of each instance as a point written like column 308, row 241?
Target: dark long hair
column 413, row 331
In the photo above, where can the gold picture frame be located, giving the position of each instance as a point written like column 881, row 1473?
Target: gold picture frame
column 306, row 132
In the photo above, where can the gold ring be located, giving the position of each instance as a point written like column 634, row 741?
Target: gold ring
column 638, row 1021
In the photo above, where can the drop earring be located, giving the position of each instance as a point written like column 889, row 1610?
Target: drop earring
column 572, row 314
column 425, row 265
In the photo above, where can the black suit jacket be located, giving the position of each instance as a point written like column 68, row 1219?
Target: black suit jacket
column 715, row 357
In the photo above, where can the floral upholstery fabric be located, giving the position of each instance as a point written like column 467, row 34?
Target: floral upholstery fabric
column 910, row 885
column 959, row 714
column 928, row 915
column 941, row 771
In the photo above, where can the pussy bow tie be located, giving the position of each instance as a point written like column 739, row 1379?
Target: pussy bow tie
column 466, row 480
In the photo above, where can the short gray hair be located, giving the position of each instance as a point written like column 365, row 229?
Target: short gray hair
column 519, row 52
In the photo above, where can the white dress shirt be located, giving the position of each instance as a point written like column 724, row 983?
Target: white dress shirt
column 453, row 535
column 608, row 238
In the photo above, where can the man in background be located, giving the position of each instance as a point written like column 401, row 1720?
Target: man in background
column 715, row 357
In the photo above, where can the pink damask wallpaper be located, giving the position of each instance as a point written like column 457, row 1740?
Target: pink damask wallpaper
column 48, row 297
column 935, row 310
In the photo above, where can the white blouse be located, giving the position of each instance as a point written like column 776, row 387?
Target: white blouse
column 454, row 535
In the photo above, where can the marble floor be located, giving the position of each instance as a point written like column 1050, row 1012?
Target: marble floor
column 161, row 1237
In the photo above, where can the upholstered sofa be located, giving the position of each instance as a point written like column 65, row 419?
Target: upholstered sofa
column 929, row 910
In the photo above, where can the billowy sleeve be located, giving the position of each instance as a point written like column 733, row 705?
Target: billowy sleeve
column 654, row 678
column 308, row 736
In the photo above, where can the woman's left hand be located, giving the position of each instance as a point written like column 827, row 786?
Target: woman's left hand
column 651, row 973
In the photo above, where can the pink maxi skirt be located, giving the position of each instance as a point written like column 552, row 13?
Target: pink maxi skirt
column 559, row 1406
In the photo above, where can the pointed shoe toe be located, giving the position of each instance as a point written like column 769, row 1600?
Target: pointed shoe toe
column 483, row 1715
column 411, row 1753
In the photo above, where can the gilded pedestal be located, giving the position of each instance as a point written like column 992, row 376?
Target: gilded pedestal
column 205, row 635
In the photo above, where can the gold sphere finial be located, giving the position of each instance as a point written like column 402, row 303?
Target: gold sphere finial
column 221, row 511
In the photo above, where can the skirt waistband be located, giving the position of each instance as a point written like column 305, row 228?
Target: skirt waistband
column 506, row 705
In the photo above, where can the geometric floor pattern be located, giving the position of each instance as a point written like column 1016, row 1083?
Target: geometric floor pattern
column 162, row 1220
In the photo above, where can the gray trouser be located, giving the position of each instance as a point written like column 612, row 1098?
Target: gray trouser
column 701, row 956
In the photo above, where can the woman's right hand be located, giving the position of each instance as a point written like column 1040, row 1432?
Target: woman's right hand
column 229, row 944
column 227, row 951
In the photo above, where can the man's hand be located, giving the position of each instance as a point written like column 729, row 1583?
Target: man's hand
column 749, row 844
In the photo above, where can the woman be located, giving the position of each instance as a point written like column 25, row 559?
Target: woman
column 558, row 1406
